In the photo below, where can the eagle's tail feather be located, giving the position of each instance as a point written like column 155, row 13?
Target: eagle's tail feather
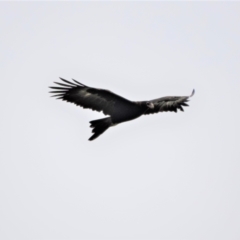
column 99, row 126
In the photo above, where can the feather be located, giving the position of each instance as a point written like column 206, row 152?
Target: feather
column 62, row 84
column 66, row 81
column 60, row 88
column 57, row 92
column 78, row 82
column 57, row 95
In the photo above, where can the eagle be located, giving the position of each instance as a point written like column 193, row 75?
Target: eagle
column 117, row 108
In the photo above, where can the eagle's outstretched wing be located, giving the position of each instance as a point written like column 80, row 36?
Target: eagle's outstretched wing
column 169, row 104
column 87, row 97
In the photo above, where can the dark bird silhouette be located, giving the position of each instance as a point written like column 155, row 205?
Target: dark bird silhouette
column 117, row 108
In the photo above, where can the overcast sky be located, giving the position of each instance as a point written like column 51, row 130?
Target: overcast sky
column 163, row 176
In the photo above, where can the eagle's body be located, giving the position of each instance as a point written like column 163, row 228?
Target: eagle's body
column 118, row 109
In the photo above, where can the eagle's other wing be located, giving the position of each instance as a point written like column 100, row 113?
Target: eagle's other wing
column 87, row 97
column 169, row 104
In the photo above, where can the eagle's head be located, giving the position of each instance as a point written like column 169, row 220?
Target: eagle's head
column 150, row 105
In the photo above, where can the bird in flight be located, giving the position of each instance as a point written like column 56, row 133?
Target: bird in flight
column 117, row 108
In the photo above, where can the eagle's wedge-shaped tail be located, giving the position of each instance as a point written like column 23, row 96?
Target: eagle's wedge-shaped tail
column 99, row 126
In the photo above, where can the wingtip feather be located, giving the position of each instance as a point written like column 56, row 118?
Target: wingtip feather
column 78, row 82
column 68, row 82
column 193, row 92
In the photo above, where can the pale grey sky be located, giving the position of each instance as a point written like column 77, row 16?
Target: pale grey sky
column 165, row 176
